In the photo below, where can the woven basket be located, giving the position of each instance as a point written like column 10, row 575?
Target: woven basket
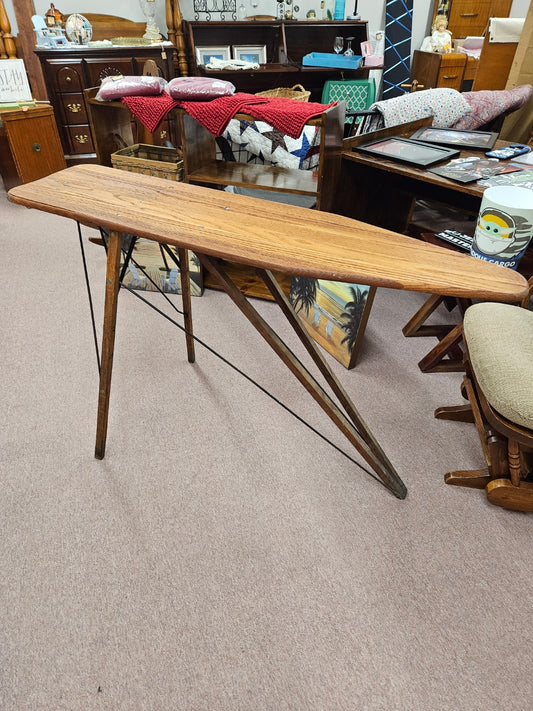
column 297, row 92
column 160, row 161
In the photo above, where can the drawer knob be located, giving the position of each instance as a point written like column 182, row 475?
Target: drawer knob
column 68, row 79
column 36, row 147
column 448, row 76
column 81, row 138
column 74, row 108
column 468, row 14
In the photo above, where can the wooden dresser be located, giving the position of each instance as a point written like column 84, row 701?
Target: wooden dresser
column 68, row 72
column 29, row 145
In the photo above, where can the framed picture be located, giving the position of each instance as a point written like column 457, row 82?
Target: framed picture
column 14, row 84
column 456, row 138
column 405, row 150
column 334, row 314
column 205, row 54
column 250, row 53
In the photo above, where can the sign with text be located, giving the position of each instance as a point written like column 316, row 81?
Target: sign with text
column 14, row 84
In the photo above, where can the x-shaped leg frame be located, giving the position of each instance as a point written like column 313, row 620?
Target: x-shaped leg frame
column 349, row 421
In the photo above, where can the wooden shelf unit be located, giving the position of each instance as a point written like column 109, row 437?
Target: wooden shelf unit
column 201, row 166
column 286, row 42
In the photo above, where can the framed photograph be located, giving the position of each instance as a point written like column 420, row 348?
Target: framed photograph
column 334, row 314
column 456, row 138
column 405, row 150
column 250, row 53
column 14, row 84
column 205, row 54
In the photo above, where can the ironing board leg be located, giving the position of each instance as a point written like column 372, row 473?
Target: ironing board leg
column 108, row 339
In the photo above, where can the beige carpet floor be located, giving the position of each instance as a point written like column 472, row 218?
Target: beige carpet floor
column 222, row 557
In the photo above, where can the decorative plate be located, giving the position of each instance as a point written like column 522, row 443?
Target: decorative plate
column 78, row 29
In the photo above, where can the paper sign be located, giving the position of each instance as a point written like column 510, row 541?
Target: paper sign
column 14, row 84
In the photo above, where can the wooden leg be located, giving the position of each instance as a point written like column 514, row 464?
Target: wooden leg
column 415, row 327
column 360, row 436
column 513, row 453
column 501, row 492
column 183, row 255
column 456, row 413
column 108, row 339
column 473, row 479
column 435, row 361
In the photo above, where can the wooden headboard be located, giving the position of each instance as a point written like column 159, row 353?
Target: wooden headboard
column 110, row 26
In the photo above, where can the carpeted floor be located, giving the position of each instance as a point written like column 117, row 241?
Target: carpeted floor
column 222, row 557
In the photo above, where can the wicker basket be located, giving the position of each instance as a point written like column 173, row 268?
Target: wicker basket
column 160, row 161
column 297, row 92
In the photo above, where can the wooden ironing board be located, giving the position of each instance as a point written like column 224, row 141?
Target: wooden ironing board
column 222, row 226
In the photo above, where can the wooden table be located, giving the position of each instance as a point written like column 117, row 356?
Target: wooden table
column 219, row 226
column 382, row 192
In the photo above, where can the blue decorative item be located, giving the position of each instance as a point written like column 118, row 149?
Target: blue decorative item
column 323, row 59
column 339, row 9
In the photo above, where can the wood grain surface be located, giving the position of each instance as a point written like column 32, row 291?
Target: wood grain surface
column 261, row 233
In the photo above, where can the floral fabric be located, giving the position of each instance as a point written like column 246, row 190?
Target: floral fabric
column 446, row 106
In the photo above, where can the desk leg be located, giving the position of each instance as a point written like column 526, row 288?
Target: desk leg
column 108, row 339
column 356, row 431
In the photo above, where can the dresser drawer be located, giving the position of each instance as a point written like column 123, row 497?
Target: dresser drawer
column 470, row 18
column 98, row 69
column 451, row 71
column 80, row 139
column 68, row 77
column 73, row 108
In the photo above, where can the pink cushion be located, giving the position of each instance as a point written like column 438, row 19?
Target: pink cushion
column 202, row 88
column 118, row 87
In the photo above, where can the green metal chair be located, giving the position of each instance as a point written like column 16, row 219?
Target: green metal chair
column 359, row 95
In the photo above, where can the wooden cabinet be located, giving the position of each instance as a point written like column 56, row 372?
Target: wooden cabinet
column 68, row 72
column 29, row 145
column 286, row 44
column 470, row 18
column 431, row 69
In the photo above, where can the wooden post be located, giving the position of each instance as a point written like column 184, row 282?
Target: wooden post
column 175, row 34
column 26, row 44
column 7, row 43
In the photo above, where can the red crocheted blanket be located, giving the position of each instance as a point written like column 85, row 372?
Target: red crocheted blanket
column 287, row 115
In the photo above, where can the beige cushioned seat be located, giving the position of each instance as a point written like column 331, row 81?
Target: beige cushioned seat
column 500, row 343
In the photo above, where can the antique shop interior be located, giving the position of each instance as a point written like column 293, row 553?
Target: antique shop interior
column 326, row 504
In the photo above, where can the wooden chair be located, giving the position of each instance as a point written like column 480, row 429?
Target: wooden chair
column 498, row 339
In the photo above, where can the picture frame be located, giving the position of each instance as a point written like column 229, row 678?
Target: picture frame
column 334, row 314
column 14, row 85
column 456, row 137
column 250, row 53
column 204, row 54
column 406, row 150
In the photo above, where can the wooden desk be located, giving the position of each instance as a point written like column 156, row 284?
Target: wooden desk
column 219, row 225
column 383, row 192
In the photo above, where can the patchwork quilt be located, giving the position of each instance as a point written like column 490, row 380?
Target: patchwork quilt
column 258, row 142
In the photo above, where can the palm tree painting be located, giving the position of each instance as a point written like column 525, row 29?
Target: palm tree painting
column 334, row 314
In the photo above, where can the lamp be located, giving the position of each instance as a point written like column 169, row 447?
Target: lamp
column 152, row 30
